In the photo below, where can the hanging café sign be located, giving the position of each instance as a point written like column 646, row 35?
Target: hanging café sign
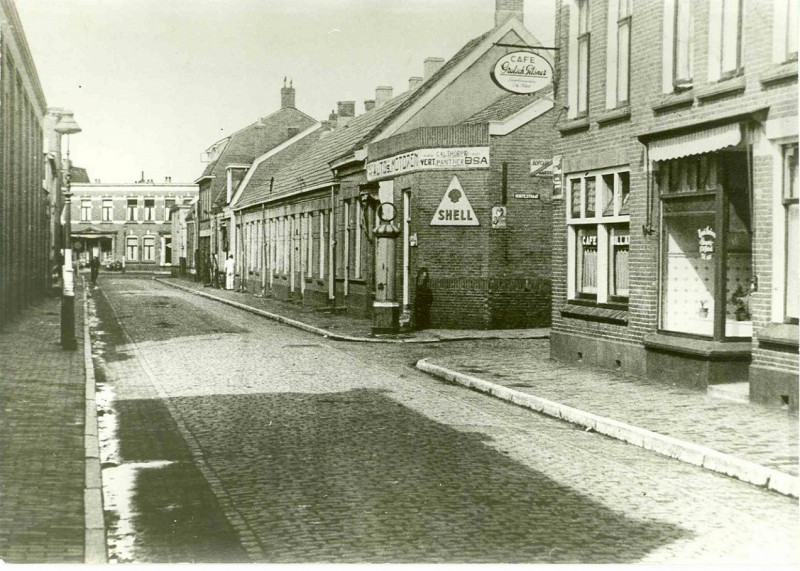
column 522, row 72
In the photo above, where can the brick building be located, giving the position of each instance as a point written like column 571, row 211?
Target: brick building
column 127, row 223
column 228, row 160
column 306, row 217
column 26, row 205
column 675, row 237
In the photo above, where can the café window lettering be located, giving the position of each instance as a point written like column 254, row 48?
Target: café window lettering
column 599, row 237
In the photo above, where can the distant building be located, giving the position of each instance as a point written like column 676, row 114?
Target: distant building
column 26, row 205
column 228, row 161
column 127, row 223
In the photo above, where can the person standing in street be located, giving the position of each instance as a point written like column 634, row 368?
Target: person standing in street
column 94, row 268
column 230, row 270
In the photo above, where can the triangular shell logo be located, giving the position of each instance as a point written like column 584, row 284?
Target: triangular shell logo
column 454, row 209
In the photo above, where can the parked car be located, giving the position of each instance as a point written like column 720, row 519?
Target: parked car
column 113, row 266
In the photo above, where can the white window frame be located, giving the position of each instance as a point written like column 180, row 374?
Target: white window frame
column 149, row 211
column 357, row 240
column 604, row 226
column 168, row 209
column 678, row 21
column 149, row 243
column 86, row 210
column 618, row 60
column 310, row 245
column 322, row 244
column 107, row 212
column 725, row 26
column 577, row 36
column 132, row 247
column 784, row 31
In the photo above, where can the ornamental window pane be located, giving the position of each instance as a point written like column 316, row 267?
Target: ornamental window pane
column 591, row 198
column 619, row 242
column 586, row 261
column 575, row 198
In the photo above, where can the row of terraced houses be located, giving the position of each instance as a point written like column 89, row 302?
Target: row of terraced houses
column 642, row 204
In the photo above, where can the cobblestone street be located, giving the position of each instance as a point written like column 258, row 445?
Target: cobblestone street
column 227, row 437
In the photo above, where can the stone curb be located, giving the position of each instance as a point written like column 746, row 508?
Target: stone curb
column 682, row 450
column 317, row 330
column 94, row 548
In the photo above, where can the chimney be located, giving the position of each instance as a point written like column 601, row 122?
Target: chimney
column 383, row 93
column 167, row 179
column 369, row 105
column 346, row 111
column 293, row 131
column 414, row 82
column 431, row 65
column 287, row 95
column 505, row 9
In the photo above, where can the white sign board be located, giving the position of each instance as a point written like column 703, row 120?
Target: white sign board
column 522, row 72
column 454, row 209
column 430, row 159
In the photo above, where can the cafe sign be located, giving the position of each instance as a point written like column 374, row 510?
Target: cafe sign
column 522, row 72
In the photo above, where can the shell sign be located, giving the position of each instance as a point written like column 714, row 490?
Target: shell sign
column 522, row 72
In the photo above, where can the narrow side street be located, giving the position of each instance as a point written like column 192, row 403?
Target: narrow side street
column 226, row 437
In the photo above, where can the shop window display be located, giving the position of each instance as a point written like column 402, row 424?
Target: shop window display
column 706, row 236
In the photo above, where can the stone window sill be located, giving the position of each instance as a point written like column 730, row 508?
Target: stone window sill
column 613, row 115
column 779, row 73
column 731, row 86
column 704, row 348
column 574, row 125
column 667, row 102
column 783, row 334
column 595, row 313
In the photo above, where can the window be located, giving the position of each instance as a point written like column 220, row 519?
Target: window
column 583, row 56
column 623, row 51
column 149, row 249
column 86, row 210
column 790, row 205
column 169, row 203
column 149, row 210
column 357, row 247
column 683, row 46
column 309, row 244
column 599, row 236
column 133, row 210
column 108, row 210
column 706, row 245
column 784, row 31
column 132, row 248
column 724, row 39
column 322, row 245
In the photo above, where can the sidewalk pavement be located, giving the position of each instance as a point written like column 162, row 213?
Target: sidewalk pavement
column 48, row 487
column 754, row 443
column 340, row 327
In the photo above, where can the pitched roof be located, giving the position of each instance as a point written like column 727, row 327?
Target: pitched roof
column 258, row 184
column 311, row 169
column 507, row 106
column 245, row 145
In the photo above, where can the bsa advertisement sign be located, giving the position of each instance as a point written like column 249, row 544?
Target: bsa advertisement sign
column 522, row 72
column 430, row 159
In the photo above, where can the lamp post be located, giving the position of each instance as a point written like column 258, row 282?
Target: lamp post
column 67, row 126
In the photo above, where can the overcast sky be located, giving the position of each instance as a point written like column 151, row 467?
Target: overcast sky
column 153, row 83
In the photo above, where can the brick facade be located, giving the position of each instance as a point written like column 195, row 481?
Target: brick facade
column 762, row 96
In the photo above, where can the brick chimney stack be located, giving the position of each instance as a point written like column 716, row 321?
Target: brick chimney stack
column 346, row 111
column 505, row 9
column 430, row 66
column 369, row 105
column 287, row 95
column 383, row 94
column 414, row 82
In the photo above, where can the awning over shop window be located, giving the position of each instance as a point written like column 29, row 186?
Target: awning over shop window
column 697, row 143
